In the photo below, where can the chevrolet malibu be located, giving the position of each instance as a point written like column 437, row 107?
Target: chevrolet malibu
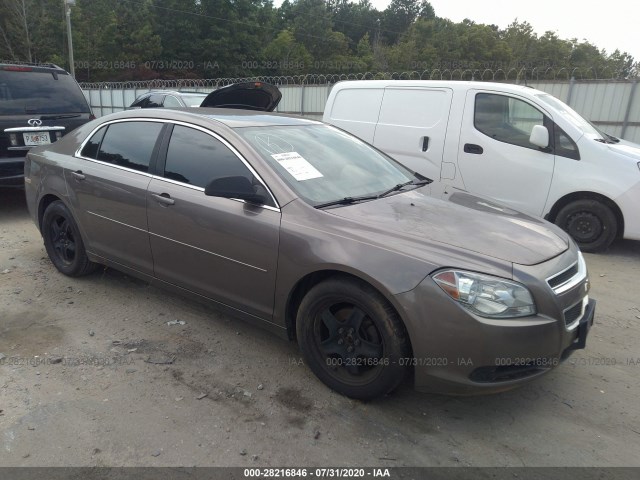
column 319, row 237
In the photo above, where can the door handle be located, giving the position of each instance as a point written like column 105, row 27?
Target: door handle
column 425, row 144
column 473, row 148
column 78, row 175
column 163, row 199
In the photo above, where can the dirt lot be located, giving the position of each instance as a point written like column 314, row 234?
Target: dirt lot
column 129, row 388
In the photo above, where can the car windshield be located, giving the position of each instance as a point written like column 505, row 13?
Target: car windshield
column 574, row 117
column 23, row 92
column 323, row 164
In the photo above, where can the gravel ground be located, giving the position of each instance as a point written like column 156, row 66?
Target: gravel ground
column 92, row 375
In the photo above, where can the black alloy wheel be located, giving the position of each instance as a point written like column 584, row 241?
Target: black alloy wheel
column 352, row 339
column 63, row 241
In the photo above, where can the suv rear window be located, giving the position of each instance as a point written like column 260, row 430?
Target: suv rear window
column 33, row 91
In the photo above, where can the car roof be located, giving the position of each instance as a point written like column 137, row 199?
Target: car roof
column 172, row 92
column 232, row 118
column 33, row 67
column 452, row 84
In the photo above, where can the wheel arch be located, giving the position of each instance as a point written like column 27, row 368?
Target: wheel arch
column 586, row 195
column 45, row 201
column 306, row 283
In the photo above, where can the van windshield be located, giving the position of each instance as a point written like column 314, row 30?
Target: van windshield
column 574, row 117
column 323, row 164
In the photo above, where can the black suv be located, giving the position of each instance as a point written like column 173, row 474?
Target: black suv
column 39, row 103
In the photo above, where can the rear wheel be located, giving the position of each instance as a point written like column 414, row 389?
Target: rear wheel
column 63, row 242
column 591, row 223
column 352, row 338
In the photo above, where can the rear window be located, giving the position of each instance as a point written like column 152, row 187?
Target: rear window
column 40, row 92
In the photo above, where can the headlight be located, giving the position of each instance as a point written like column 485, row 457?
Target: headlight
column 487, row 296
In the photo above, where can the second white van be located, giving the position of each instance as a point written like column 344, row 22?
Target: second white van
column 518, row 145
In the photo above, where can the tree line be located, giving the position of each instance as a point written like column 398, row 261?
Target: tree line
column 119, row 40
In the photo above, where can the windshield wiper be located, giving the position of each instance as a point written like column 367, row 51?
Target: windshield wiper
column 417, row 183
column 350, row 200
column 347, row 201
column 58, row 117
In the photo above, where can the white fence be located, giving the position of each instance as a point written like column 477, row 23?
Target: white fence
column 612, row 105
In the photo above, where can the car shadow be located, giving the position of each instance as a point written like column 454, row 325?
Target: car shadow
column 13, row 205
column 624, row 248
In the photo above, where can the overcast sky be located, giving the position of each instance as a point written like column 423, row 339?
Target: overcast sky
column 608, row 24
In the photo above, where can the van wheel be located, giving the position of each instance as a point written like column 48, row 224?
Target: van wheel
column 63, row 242
column 352, row 338
column 591, row 223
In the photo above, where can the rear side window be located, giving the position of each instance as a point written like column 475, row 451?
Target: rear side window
column 90, row 149
column 33, row 91
column 130, row 144
column 506, row 119
column 196, row 158
column 154, row 101
column 171, row 102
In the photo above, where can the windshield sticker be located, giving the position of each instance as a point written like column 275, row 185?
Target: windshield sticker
column 273, row 144
column 297, row 166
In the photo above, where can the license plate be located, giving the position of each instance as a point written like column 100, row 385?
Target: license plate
column 33, row 139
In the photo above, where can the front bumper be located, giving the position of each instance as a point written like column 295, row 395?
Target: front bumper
column 12, row 172
column 629, row 203
column 457, row 352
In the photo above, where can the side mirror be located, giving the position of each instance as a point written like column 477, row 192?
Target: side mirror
column 234, row 187
column 539, row 136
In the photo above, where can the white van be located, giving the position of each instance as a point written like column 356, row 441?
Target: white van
column 520, row 146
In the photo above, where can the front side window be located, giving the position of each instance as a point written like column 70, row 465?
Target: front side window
column 564, row 146
column 506, row 119
column 323, row 164
column 196, row 158
column 570, row 114
column 130, row 144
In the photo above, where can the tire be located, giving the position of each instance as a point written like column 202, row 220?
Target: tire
column 352, row 338
column 63, row 242
column 591, row 223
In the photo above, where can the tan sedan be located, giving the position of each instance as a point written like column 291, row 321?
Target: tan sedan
column 319, row 237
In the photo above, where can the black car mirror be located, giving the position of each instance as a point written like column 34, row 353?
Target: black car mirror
column 234, row 187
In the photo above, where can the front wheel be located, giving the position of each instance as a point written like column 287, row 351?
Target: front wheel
column 591, row 223
column 63, row 242
column 352, row 338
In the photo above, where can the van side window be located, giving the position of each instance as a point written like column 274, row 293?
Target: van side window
column 564, row 146
column 506, row 119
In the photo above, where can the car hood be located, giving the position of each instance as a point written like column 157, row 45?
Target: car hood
column 247, row 96
column 628, row 149
column 464, row 221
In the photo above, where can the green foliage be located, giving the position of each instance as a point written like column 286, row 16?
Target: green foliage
column 145, row 39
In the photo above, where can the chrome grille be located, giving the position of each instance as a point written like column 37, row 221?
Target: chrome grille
column 569, row 277
column 563, row 277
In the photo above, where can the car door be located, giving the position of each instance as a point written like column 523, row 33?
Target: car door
column 107, row 182
column 495, row 157
column 220, row 248
column 412, row 127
